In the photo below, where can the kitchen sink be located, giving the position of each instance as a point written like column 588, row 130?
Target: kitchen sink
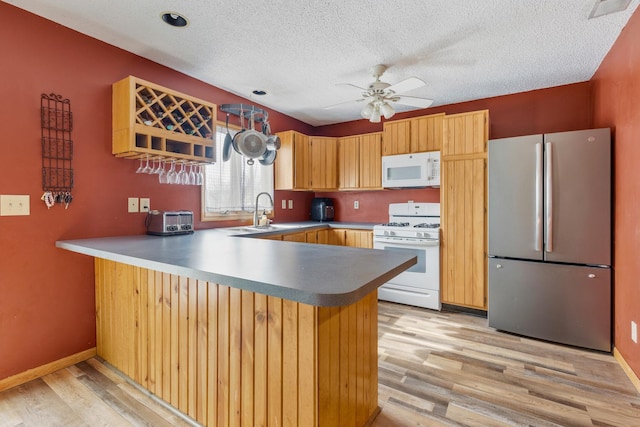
column 263, row 228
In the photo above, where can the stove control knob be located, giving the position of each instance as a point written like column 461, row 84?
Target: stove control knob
column 420, row 235
column 392, row 233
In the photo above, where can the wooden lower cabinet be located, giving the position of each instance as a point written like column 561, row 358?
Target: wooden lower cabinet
column 295, row 237
column 228, row 357
column 359, row 238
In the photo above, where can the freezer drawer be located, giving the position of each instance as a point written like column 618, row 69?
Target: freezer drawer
column 555, row 302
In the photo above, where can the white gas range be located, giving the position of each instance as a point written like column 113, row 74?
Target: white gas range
column 413, row 228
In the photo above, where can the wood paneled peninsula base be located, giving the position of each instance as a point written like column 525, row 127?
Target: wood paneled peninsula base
column 228, row 356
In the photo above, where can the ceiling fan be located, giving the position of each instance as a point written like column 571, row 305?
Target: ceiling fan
column 380, row 95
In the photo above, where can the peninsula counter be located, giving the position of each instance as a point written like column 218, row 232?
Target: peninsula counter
column 237, row 331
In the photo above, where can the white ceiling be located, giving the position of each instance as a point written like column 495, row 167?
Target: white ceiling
column 299, row 51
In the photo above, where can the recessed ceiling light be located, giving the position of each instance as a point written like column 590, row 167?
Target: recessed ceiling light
column 174, row 19
column 259, row 92
column 605, row 7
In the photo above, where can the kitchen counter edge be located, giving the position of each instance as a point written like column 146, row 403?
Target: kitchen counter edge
column 319, row 275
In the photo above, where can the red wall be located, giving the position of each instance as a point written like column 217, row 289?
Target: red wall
column 46, row 294
column 555, row 109
column 616, row 95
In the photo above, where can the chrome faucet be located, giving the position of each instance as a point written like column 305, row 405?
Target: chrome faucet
column 255, row 214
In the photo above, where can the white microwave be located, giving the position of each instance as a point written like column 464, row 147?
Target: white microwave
column 411, row 170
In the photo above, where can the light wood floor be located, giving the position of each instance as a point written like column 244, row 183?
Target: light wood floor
column 435, row 369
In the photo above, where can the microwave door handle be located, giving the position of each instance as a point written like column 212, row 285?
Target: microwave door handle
column 429, row 169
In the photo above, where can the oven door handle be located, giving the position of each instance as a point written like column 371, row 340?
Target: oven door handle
column 402, row 243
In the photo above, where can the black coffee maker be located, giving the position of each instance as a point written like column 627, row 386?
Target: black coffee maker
column 322, row 209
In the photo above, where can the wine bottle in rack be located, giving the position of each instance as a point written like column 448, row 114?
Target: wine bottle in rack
column 177, row 116
column 157, row 111
column 188, row 129
column 146, row 119
column 168, row 124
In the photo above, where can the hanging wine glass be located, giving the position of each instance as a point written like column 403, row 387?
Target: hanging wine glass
column 140, row 168
column 183, row 176
column 162, row 175
column 200, row 175
column 147, row 168
column 192, row 175
column 172, row 175
column 156, row 169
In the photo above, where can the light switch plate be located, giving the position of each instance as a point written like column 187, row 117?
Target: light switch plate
column 284, row 204
column 145, row 204
column 290, row 204
column 634, row 332
column 14, row 205
column 132, row 204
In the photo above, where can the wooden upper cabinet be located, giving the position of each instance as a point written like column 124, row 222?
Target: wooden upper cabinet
column 349, row 162
column 360, row 161
column 324, row 163
column 396, row 137
column 370, row 173
column 426, row 133
column 465, row 133
column 302, row 179
column 293, row 163
column 415, row 135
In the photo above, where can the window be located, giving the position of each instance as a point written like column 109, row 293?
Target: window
column 230, row 188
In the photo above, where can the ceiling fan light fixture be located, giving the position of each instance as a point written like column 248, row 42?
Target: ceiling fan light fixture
column 367, row 110
column 375, row 115
column 387, row 110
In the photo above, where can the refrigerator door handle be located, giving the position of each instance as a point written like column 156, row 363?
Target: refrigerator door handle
column 538, row 236
column 549, row 197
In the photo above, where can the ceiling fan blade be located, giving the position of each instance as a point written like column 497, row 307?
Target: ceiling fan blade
column 413, row 101
column 406, row 85
column 357, row 87
column 340, row 104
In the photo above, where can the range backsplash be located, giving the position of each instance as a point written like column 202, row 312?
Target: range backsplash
column 374, row 205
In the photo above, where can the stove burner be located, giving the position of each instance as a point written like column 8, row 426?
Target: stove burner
column 396, row 224
column 426, row 225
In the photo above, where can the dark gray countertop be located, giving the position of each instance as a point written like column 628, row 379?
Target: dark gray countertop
column 320, row 275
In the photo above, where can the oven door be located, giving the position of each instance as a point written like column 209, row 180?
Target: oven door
column 425, row 275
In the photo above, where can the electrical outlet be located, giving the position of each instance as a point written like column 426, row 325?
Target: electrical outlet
column 145, row 204
column 14, row 205
column 132, row 204
column 634, row 332
column 284, row 204
column 356, row 204
column 290, row 204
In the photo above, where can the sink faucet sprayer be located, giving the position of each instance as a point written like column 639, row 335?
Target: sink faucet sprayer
column 255, row 214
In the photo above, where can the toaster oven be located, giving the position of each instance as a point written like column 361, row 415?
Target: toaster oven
column 169, row 223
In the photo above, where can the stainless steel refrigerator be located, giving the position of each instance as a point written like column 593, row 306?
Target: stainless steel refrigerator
column 549, row 219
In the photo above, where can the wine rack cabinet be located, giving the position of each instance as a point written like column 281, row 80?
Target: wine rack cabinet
column 151, row 120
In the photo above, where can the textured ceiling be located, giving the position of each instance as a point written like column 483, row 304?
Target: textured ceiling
column 300, row 51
